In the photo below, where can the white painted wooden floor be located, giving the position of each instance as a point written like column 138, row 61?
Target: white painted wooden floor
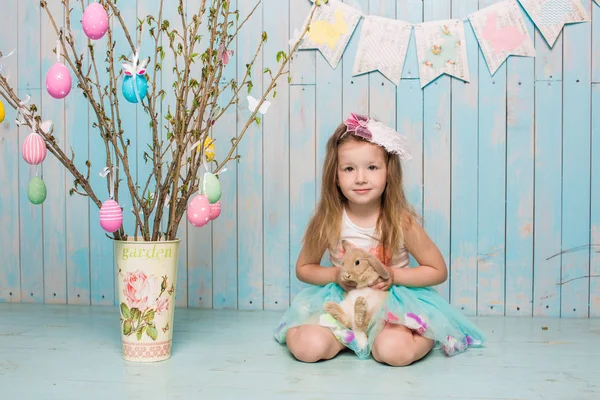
column 74, row 352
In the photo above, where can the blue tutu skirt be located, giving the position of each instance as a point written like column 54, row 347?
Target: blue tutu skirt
column 422, row 310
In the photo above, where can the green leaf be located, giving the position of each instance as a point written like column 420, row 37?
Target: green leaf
column 135, row 313
column 140, row 332
column 257, row 119
column 127, row 326
column 281, row 55
column 125, row 311
column 149, row 316
column 152, row 332
column 163, row 284
column 274, row 93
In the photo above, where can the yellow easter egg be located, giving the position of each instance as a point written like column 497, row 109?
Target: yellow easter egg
column 2, row 112
column 209, row 149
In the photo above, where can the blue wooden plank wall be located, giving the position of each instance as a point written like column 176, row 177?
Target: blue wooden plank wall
column 505, row 169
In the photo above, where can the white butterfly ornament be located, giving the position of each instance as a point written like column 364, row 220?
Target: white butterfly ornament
column 253, row 103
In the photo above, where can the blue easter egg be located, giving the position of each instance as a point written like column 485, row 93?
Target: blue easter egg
column 129, row 89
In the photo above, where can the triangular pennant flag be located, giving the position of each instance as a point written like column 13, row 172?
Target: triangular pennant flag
column 551, row 15
column 441, row 50
column 330, row 30
column 501, row 32
column 382, row 46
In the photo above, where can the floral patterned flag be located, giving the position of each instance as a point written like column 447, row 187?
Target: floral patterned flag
column 501, row 32
column 550, row 16
column 382, row 46
column 441, row 50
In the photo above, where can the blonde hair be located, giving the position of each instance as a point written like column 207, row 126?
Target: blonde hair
column 395, row 214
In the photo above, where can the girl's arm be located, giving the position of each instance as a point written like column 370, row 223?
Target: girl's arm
column 310, row 270
column 432, row 268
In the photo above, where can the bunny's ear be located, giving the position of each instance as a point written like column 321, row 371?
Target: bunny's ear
column 377, row 265
column 347, row 245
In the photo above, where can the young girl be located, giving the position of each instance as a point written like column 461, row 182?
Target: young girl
column 363, row 202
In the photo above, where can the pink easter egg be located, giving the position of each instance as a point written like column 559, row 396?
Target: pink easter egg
column 198, row 212
column 58, row 81
column 215, row 210
column 111, row 216
column 94, row 21
column 34, row 149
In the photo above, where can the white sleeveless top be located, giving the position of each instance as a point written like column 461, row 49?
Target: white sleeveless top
column 365, row 239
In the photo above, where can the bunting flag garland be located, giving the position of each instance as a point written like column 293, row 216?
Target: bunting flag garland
column 550, row 16
column 330, row 30
column 501, row 32
column 441, row 50
column 382, row 46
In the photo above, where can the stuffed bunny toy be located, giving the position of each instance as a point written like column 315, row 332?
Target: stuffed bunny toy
column 359, row 305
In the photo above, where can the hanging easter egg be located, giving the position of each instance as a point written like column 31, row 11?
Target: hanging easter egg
column 34, row 149
column 209, row 149
column 215, row 210
column 111, row 216
column 211, row 187
column 129, row 88
column 94, row 21
column 36, row 191
column 198, row 211
column 2, row 112
column 135, row 85
column 58, row 81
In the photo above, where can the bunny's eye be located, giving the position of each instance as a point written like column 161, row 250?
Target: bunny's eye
column 356, row 262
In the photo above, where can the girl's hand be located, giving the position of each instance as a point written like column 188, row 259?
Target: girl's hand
column 384, row 284
column 346, row 285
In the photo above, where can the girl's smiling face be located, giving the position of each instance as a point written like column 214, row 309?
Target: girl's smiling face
column 362, row 172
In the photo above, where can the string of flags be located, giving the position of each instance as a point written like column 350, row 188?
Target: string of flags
column 500, row 30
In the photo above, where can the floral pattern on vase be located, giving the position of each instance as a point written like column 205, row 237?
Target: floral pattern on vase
column 145, row 297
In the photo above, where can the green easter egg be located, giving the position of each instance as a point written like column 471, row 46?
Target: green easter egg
column 36, row 191
column 211, row 187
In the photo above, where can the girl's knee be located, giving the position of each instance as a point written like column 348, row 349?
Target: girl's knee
column 396, row 354
column 311, row 344
column 398, row 348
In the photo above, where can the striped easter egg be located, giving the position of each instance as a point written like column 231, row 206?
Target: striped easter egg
column 34, row 149
column 111, row 216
